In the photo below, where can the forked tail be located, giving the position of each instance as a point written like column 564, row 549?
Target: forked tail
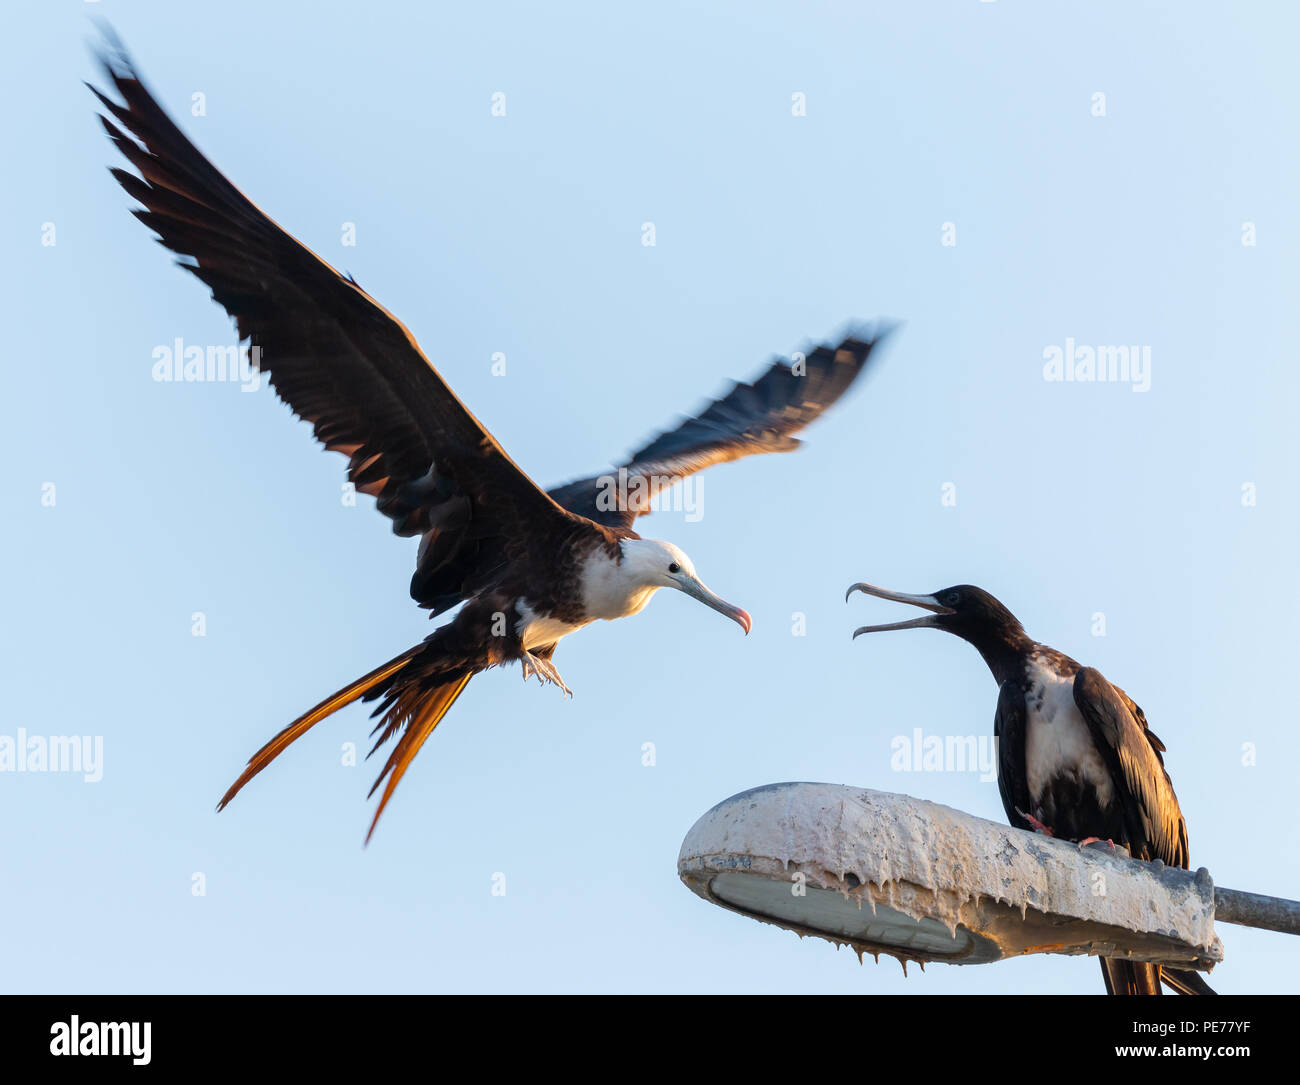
column 421, row 708
column 417, row 692
column 1135, row 978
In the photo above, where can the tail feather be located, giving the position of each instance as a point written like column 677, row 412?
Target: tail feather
column 389, row 724
column 1186, row 982
column 421, row 711
column 1135, row 978
column 1130, row 977
column 415, row 690
column 304, row 723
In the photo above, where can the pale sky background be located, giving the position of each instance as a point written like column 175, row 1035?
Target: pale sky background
column 522, row 235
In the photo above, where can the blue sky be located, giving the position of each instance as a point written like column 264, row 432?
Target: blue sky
column 522, row 235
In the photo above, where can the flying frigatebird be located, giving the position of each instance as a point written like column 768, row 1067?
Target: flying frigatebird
column 527, row 566
column 1076, row 759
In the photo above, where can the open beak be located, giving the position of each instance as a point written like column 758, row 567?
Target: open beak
column 925, row 602
column 697, row 590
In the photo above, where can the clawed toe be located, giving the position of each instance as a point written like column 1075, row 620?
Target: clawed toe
column 545, row 671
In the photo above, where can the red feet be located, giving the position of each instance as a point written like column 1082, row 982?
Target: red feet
column 1095, row 840
column 1038, row 826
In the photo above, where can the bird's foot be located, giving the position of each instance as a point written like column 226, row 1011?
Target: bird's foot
column 545, row 671
column 1037, row 825
column 1096, row 840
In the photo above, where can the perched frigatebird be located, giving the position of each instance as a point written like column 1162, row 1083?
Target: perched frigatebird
column 1076, row 758
column 529, row 566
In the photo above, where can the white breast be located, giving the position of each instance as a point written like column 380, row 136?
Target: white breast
column 536, row 629
column 1057, row 739
column 611, row 589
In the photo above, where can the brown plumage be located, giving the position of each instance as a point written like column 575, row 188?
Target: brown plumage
column 1075, row 754
column 521, row 563
column 424, row 714
column 307, row 720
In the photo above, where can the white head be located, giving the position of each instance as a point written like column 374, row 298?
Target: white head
column 650, row 564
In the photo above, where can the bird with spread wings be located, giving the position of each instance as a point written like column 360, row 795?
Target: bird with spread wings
column 525, row 566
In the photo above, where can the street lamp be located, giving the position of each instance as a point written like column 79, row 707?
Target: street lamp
column 886, row 873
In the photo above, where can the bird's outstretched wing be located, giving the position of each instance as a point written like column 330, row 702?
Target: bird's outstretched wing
column 751, row 418
column 1153, row 819
column 335, row 356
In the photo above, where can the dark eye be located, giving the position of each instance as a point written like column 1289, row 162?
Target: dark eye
column 674, row 568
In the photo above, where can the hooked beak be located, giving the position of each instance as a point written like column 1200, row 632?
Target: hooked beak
column 925, row 602
column 696, row 590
